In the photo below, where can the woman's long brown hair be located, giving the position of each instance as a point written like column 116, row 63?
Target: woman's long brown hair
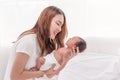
column 42, row 30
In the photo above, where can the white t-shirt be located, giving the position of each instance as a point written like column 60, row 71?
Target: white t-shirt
column 28, row 45
column 49, row 60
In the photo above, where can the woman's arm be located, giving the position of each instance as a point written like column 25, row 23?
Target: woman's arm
column 18, row 70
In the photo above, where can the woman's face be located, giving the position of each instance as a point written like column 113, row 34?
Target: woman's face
column 56, row 25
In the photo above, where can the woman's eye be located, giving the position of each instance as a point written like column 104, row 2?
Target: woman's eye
column 58, row 24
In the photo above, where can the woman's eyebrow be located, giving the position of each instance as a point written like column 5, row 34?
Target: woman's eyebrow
column 59, row 21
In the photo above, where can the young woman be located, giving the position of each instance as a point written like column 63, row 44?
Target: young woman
column 47, row 35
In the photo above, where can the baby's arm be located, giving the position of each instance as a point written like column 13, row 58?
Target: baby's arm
column 40, row 61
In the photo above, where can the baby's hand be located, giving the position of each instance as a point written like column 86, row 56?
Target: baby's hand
column 41, row 60
column 56, row 72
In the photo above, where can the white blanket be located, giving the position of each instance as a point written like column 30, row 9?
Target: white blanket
column 92, row 66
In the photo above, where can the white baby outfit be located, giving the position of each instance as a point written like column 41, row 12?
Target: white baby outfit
column 49, row 60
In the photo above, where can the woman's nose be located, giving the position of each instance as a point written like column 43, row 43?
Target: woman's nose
column 59, row 29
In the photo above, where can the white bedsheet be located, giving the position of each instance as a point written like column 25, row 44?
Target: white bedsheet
column 92, row 66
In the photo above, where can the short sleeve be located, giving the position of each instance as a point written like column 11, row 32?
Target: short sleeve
column 26, row 45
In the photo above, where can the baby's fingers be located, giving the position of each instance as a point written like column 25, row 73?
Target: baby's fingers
column 53, row 65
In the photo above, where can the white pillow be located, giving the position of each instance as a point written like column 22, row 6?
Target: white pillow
column 103, row 45
column 119, row 51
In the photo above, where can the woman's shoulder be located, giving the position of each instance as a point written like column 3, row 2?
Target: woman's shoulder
column 30, row 36
column 27, row 38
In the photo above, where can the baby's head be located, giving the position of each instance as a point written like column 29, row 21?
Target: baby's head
column 75, row 42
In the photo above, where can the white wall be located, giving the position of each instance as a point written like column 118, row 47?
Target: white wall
column 84, row 17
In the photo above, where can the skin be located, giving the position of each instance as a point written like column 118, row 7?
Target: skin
column 71, row 42
column 62, row 55
column 56, row 25
column 18, row 72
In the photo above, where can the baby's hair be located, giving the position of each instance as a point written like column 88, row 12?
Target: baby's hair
column 81, row 44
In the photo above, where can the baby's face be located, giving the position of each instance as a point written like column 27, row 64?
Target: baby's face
column 71, row 42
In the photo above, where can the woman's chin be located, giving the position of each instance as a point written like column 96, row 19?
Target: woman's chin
column 52, row 37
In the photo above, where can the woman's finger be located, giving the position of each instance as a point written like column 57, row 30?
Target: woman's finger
column 73, row 51
column 50, row 73
column 78, row 50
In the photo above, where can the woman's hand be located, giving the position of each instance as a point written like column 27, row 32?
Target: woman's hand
column 50, row 73
column 74, row 52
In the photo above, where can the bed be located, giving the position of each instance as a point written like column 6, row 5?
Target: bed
column 101, row 61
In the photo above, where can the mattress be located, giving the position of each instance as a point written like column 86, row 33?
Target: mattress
column 92, row 66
